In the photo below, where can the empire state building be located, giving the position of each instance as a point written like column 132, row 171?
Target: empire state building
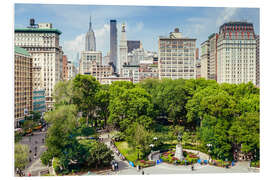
column 90, row 40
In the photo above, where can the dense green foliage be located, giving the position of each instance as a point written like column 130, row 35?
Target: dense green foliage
column 154, row 112
column 21, row 156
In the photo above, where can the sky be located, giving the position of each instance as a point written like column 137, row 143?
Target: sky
column 144, row 23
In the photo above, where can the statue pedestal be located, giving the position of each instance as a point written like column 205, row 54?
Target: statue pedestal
column 179, row 152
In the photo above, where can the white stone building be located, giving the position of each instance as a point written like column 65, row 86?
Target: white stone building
column 177, row 56
column 71, row 70
column 132, row 71
column 236, row 53
column 42, row 42
column 123, row 50
column 87, row 59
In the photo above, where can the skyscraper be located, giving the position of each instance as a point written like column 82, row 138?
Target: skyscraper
column 123, row 49
column 236, row 53
column 113, row 44
column 90, row 40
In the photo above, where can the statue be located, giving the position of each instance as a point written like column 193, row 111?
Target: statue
column 179, row 149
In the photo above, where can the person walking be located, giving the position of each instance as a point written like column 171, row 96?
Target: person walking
column 142, row 172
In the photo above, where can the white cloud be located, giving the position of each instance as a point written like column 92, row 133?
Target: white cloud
column 72, row 47
column 226, row 15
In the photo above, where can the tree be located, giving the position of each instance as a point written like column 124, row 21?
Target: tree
column 139, row 138
column 63, row 123
column 132, row 105
column 210, row 101
column 245, row 133
column 21, row 156
column 103, row 101
column 62, row 94
column 85, row 88
column 99, row 155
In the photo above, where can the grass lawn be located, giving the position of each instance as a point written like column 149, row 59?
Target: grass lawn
column 127, row 151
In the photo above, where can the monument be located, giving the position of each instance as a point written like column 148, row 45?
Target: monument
column 179, row 149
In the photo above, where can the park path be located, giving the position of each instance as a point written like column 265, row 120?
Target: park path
column 123, row 164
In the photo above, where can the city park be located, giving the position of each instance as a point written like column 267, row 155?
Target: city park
column 154, row 121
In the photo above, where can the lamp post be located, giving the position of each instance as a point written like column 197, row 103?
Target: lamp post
column 209, row 150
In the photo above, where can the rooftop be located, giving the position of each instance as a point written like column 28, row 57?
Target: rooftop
column 22, row 51
column 38, row 30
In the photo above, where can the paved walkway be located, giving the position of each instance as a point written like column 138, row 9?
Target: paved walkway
column 122, row 164
column 37, row 146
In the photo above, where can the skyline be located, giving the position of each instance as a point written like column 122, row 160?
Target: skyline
column 144, row 23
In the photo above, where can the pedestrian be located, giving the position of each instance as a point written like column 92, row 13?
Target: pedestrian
column 29, row 159
column 138, row 168
column 112, row 167
column 42, row 140
column 192, row 167
column 35, row 156
column 142, row 172
column 117, row 165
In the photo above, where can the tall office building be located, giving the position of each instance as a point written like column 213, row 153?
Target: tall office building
column 123, row 49
column 177, row 56
column 205, row 63
column 209, row 57
column 258, row 61
column 90, row 40
column 65, row 68
column 113, row 44
column 236, row 53
column 42, row 43
column 23, row 93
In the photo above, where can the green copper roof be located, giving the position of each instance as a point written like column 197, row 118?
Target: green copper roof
column 20, row 50
column 38, row 30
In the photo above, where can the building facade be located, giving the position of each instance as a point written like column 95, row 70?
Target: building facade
column 42, row 43
column 39, row 104
column 90, row 39
column 123, row 49
column 132, row 72
column 113, row 44
column 23, row 84
column 258, row 61
column 71, row 70
column 148, row 70
column 111, row 79
column 213, row 56
column 65, row 68
column 177, row 56
column 236, row 53
column 205, row 63
column 87, row 59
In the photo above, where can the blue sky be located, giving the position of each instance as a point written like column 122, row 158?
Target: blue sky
column 144, row 23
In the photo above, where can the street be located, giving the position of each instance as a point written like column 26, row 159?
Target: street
column 36, row 144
